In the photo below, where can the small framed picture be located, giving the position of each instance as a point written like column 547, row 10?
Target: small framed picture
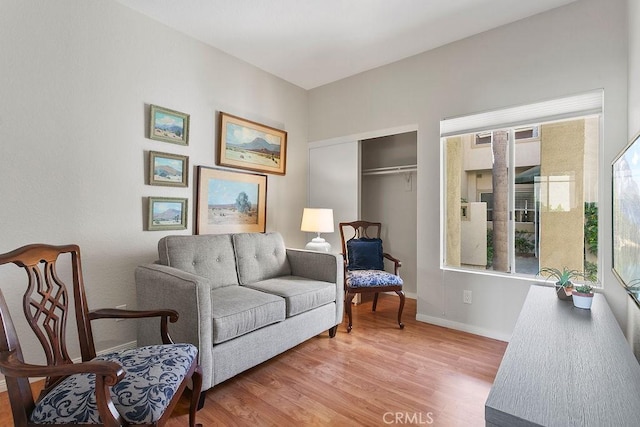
column 244, row 144
column 169, row 125
column 167, row 213
column 230, row 202
column 167, row 169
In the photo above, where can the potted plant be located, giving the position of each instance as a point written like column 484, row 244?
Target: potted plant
column 564, row 285
column 583, row 296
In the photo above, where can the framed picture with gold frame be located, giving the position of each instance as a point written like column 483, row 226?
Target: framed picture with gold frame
column 230, row 202
column 244, row 144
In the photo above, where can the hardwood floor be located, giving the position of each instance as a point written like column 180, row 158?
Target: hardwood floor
column 377, row 375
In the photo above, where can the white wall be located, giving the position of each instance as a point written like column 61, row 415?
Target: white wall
column 75, row 83
column 573, row 49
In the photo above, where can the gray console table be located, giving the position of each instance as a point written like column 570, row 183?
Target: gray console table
column 565, row 367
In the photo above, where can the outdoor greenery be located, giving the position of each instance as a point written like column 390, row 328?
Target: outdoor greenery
column 489, row 248
column 591, row 227
column 524, row 243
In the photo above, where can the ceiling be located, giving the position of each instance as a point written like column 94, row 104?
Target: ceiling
column 314, row 42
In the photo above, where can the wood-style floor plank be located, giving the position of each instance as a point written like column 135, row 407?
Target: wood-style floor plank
column 423, row 374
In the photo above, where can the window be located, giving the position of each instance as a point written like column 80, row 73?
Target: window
column 483, row 138
column 531, row 191
column 526, row 133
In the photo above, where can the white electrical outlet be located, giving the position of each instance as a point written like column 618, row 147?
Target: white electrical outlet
column 121, row 307
column 466, row 297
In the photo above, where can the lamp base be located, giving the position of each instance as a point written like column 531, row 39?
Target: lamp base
column 318, row 244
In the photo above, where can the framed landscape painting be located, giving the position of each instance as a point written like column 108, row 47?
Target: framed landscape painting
column 168, row 125
column 244, row 144
column 230, row 202
column 168, row 169
column 167, row 213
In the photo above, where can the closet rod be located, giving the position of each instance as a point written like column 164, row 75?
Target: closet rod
column 390, row 170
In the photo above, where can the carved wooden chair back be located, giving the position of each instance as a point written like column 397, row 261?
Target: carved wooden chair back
column 357, row 230
column 46, row 304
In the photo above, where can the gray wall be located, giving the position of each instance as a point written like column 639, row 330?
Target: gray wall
column 572, row 49
column 75, row 78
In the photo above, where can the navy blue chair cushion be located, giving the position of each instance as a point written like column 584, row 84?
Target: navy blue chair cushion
column 365, row 254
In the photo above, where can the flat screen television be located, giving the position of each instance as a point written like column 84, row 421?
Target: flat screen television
column 626, row 218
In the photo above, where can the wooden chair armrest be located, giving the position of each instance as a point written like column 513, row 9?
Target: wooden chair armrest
column 166, row 316
column 11, row 366
column 396, row 262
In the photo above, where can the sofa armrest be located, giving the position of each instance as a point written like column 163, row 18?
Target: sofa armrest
column 162, row 287
column 323, row 266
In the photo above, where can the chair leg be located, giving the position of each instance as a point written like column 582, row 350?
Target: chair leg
column 197, row 397
column 401, row 295
column 375, row 301
column 348, row 299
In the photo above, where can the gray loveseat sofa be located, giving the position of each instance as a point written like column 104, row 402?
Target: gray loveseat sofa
column 242, row 298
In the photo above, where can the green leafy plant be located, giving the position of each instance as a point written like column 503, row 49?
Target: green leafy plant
column 591, row 227
column 523, row 242
column 489, row 248
column 563, row 277
column 584, row 289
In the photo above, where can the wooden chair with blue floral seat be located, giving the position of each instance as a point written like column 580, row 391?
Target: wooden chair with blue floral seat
column 364, row 270
column 139, row 386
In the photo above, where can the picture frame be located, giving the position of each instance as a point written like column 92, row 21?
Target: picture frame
column 626, row 217
column 166, row 169
column 230, row 202
column 244, row 144
column 168, row 125
column 167, row 213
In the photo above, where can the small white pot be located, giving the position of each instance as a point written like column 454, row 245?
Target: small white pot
column 581, row 300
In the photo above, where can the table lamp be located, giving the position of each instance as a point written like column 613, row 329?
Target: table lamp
column 317, row 221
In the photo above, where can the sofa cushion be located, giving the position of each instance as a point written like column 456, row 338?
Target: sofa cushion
column 209, row 256
column 299, row 293
column 237, row 310
column 260, row 256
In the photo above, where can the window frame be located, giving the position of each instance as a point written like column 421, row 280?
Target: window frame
column 512, row 190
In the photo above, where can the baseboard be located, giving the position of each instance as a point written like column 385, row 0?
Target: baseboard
column 125, row 346
column 464, row 327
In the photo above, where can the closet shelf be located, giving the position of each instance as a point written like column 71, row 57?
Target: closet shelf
column 390, row 170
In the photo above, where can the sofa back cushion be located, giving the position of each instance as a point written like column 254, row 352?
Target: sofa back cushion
column 260, row 256
column 209, row 256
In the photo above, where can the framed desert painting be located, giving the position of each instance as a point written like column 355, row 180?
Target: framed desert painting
column 168, row 169
column 168, row 125
column 167, row 213
column 244, row 144
column 230, row 202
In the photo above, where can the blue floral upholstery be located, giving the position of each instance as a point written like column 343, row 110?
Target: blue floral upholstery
column 152, row 376
column 371, row 278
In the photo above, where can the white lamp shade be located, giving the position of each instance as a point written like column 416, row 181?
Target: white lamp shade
column 317, row 220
